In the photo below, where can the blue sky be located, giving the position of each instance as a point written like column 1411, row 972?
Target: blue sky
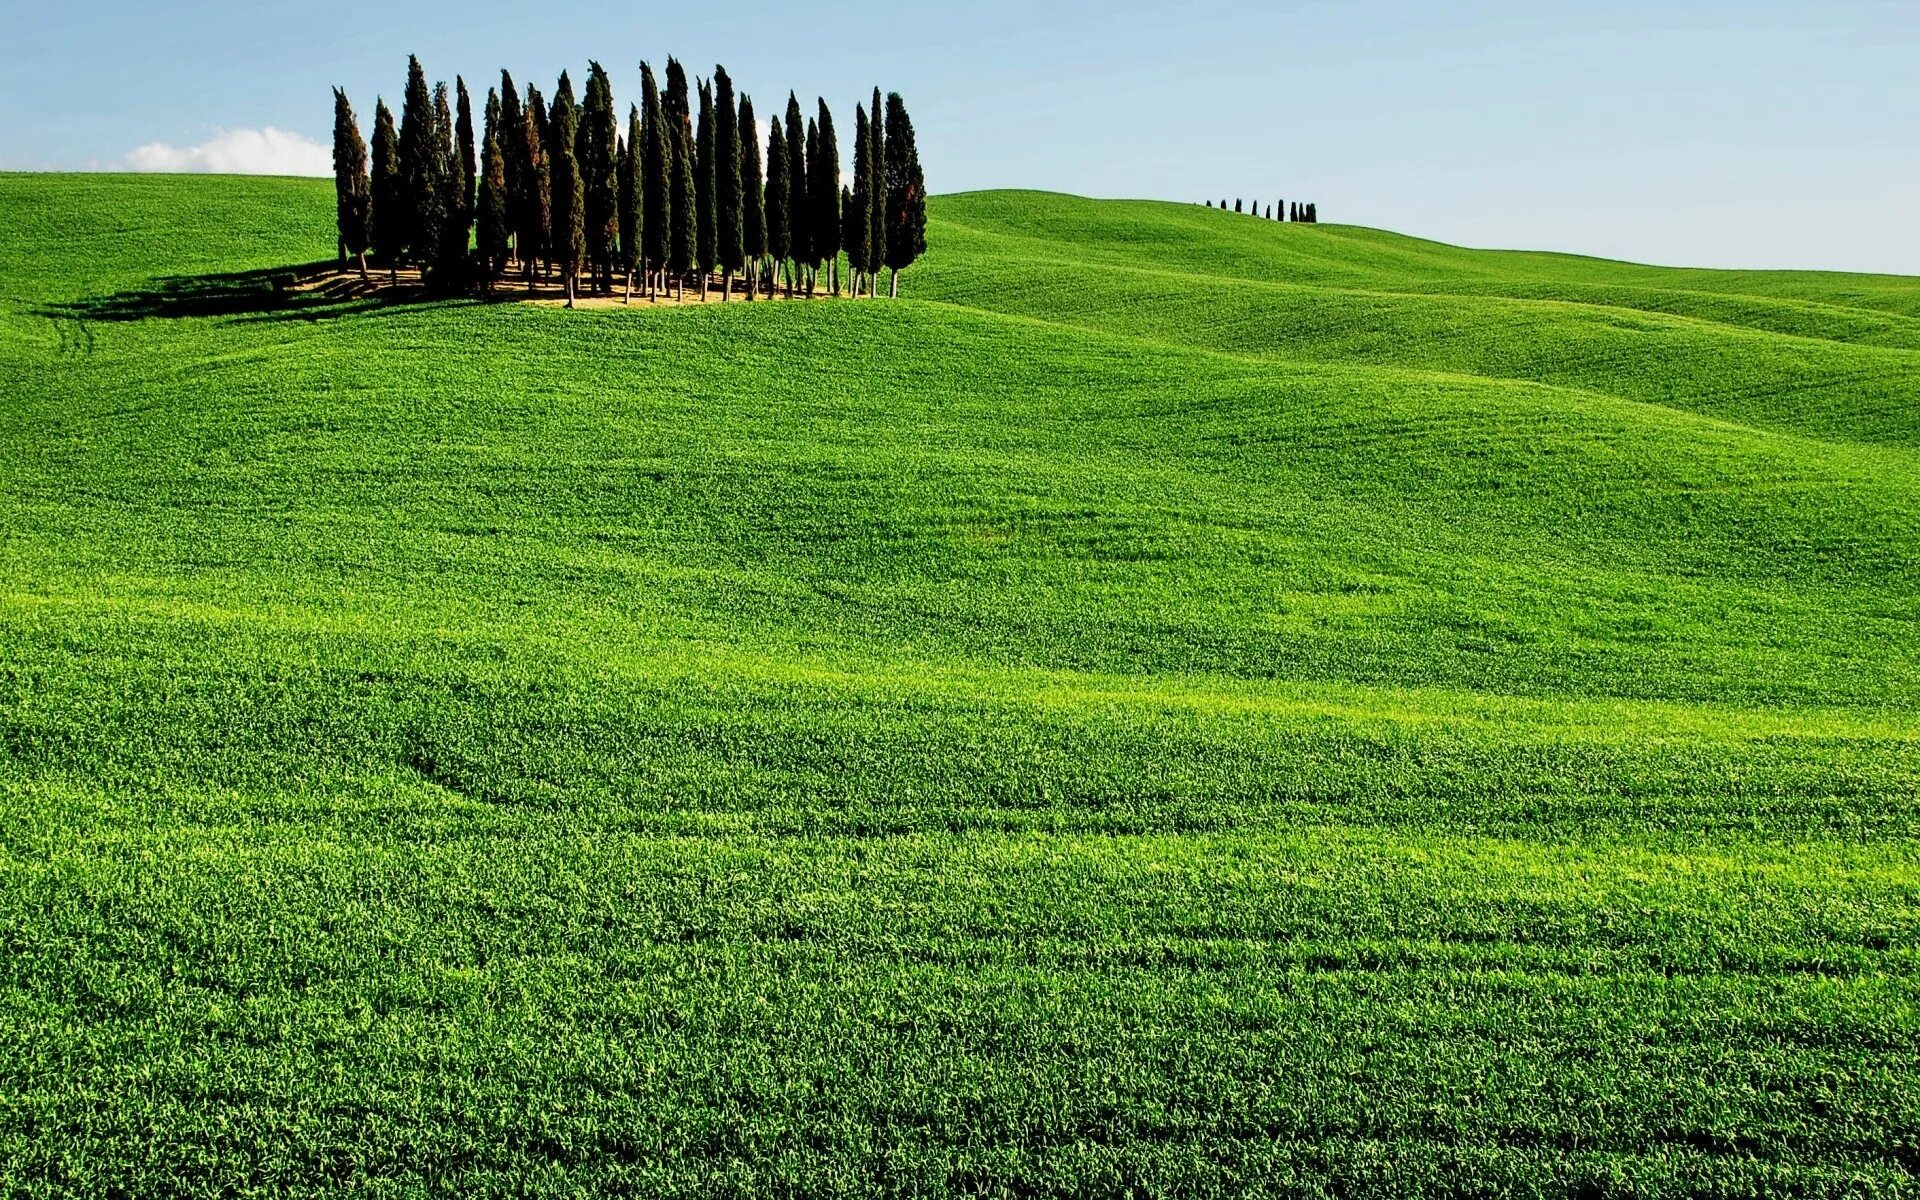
column 1724, row 134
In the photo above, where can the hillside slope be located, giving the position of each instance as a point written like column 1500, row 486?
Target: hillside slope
column 1179, row 702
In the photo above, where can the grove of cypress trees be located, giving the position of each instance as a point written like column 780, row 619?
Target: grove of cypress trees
column 857, row 233
column 595, row 148
column 906, row 193
column 877, row 193
column 352, row 188
column 779, row 206
column 463, row 141
column 536, row 185
column 656, row 174
column 825, row 187
column 799, row 211
column 420, row 192
column 753, row 200
column 389, row 230
column 632, row 186
column 569, row 220
column 728, row 232
column 494, row 224
column 512, row 148
column 680, row 245
column 705, row 195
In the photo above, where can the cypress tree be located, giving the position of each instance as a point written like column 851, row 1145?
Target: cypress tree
column 906, row 193
column 419, row 168
column 729, row 232
column 494, row 225
column 877, row 195
column 569, row 233
column 352, row 188
column 632, row 187
column 448, row 268
column 512, row 149
column 1313, row 214
column 389, row 238
column 753, row 201
column 595, row 147
column 536, row 185
column 680, row 245
column 799, row 212
column 1269, row 212
column 858, row 235
column 813, row 204
column 463, row 141
column 704, row 197
column 828, row 235
column 1209, row 204
column 1236, row 206
column 656, row 173
column 779, row 199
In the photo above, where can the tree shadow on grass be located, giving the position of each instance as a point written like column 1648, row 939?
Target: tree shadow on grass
column 306, row 292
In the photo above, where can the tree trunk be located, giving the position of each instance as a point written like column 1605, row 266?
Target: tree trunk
column 363, row 266
column 628, row 298
column 894, row 286
column 569, row 289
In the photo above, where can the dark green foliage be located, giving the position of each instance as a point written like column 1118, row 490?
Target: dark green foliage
column 685, row 215
column 877, row 193
column 704, row 197
column 513, row 148
column 753, row 199
column 353, row 189
column 779, row 207
column 422, row 162
column 468, row 150
column 799, row 206
column 824, row 187
column 569, row 218
column 447, row 271
column 389, row 196
column 729, row 217
column 596, row 148
column 536, row 184
column 492, row 222
column 632, row 190
column 858, row 215
column 813, row 256
column 1313, row 213
column 906, row 192
column 1236, row 206
column 656, row 207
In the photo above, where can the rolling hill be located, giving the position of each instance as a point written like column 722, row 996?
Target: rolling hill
column 1178, row 704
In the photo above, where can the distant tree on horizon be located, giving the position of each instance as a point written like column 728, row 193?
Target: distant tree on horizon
column 352, row 186
column 753, row 200
column 729, row 220
column 389, row 233
column 906, row 194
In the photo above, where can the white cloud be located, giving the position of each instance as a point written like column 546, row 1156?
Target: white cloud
column 266, row 151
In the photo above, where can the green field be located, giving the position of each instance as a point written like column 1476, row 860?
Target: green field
column 1178, row 705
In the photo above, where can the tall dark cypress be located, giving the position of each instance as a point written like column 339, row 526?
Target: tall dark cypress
column 681, row 244
column 595, row 147
column 389, row 229
column 704, row 250
column 512, row 148
column 352, row 188
column 825, row 189
column 463, row 141
column 906, row 193
column 420, row 191
column 813, row 204
column 877, row 190
column 858, row 236
column 569, row 221
column 728, row 232
column 449, row 267
column 493, row 225
column 632, row 186
column 656, row 172
column 799, row 211
column 753, row 201
column 779, row 200
column 536, row 186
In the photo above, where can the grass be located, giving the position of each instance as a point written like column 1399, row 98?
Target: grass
column 1178, row 705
